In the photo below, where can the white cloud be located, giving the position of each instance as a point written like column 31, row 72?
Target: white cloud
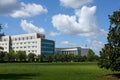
column 8, row 6
column 54, row 34
column 74, row 3
column 95, row 45
column 83, row 23
column 20, row 9
column 28, row 10
column 6, row 25
column 30, row 28
column 65, row 42
column 68, row 44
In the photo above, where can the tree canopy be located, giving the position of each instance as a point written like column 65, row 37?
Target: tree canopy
column 110, row 54
column 1, row 48
column 90, row 55
column 1, row 34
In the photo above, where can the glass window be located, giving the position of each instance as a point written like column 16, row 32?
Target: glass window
column 20, row 42
column 23, row 38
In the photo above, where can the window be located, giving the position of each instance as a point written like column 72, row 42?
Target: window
column 15, row 39
column 23, row 38
column 32, row 50
column 31, row 37
column 4, row 39
column 20, row 42
column 19, row 38
column 36, row 51
column 26, row 38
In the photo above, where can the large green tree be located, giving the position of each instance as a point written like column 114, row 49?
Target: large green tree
column 21, row 56
column 2, row 55
column 110, row 54
column 31, row 57
column 90, row 55
column 11, row 55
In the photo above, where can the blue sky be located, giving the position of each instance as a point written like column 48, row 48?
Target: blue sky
column 70, row 23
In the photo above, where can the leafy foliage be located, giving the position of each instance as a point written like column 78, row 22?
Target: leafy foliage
column 31, row 57
column 1, row 48
column 110, row 54
column 11, row 55
column 21, row 55
column 90, row 55
column 2, row 55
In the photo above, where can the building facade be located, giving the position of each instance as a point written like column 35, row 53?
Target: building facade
column 72, row 50
column 84, row 51
column 31, row 43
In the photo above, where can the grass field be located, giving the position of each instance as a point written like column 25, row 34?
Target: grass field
column 52, row 71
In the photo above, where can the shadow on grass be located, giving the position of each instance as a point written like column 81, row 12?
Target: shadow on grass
column 16, row 76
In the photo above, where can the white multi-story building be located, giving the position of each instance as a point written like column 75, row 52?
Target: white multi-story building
column 4, row 43
column 31, row 43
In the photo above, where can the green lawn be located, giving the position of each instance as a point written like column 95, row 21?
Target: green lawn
column 52, row 71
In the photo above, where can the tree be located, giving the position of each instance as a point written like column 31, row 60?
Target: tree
column 6, row 57
column 2, row 55
column 49, row 58
column 21, row 55
column 96, row 58
column 1, row 48
column 90, row 55
column 0, row 30
column 31, row 57
column 39, row 58
column 110, row 54
column 1, row 34
column 11, row 55
column 77, row 58
column 55, row 57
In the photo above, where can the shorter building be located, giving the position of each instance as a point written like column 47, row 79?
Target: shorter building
column 84, row 51
column 72, row 50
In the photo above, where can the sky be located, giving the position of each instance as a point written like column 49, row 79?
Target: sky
column 70, row 23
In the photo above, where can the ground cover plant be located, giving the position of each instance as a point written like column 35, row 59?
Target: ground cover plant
column 53, row 71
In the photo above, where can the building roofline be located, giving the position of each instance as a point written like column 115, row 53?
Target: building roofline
column 25, row 34
column 85, row 48
column 68, row 48
column 48, row 39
